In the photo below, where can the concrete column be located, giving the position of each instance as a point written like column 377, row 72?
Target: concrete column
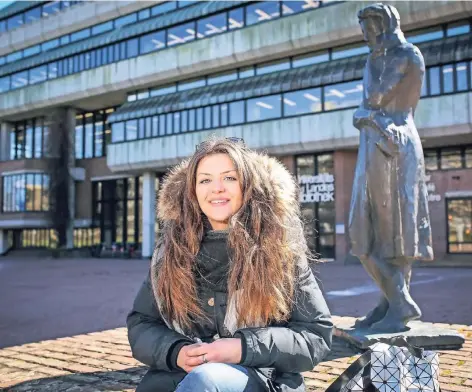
column 3, row 242
column 148, row 213
column 70, row 121
column 5, row 141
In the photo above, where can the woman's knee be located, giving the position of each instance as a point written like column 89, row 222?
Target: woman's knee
column 214, row 377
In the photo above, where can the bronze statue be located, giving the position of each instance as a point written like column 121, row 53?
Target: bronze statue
column 389, row 223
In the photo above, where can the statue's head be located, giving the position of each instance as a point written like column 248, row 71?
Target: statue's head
column 376, row 21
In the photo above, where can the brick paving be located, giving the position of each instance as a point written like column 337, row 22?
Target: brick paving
column 102, row 361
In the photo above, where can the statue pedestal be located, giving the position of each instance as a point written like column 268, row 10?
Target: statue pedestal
column 421, row 334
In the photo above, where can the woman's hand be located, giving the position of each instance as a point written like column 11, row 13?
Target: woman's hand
column 183, row 357
column 227, row 350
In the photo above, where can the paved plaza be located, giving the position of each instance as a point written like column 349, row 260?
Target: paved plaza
column 62, row 322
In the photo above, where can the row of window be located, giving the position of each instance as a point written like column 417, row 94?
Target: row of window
column 86, row 237
column 294, row 103
column 448, row 158
column 217, row 24
column 459, row 225
column 97, row 29
column 92, row 133
column 33, row 14
column 117, row 210
column 28, row 139
column 438, row 32
column 25, row 192
column 34, row 238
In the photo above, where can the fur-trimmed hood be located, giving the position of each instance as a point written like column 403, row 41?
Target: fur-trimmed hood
column 280, row 189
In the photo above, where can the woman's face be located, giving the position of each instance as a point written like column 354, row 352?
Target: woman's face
column 218, row 189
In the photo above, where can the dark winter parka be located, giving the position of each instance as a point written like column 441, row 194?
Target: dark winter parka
column 276, row 353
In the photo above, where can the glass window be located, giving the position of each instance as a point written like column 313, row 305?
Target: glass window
column 199, row 119
column 163, row 8
column 461, row 74
column 236, row 19
column 216, row 116
column 177, row 122
column 264, row 108
column 431, row 160
column 51, row 8
column 224, row 114
column 169, row 123
column 301, row 102
column 143, row 94
column 149, row 125
column 45, row 193
column 424, row 86
column 32, row 50
column 38, row 137
column 78, row 35
column 102, row 28
column 29, row 187
column 3, row 26
column 236, row 112
column 133, row 47
column 144, row 14
column 118, row 132
column 182, row 4
column 247, row 72
column 15, row 21
column 162, row 124
column 260, row 12
column 349, row 51
column 191, row 84
column 425, row 35
column 65, row 39
column 131, row 130
column 459, row 212
column 12, row 144
column 457, row 29
column 32, row 15
column 434, row 81
column 152, row 42
column 20, row 140
column 88, row 135
column 29, row 139
column 309, row 59
column 98, row 137
column 141, row 128
column 262, row 69
column 222, row 78
column 448, row 78
column 163, row 90
column 126, row 20
column 181, row 34
column 4, row 84
column 468, row 157
column 2, row 60
column 14, row 56
column 451, row 159
column 207, row 116
column 191, row 120
column 38, row 74
column 52, row 71
column 295, row 7
column 46, row 127
column 184, row 115
column 54, row 43
column 79, row 137
column 343, row 95
column 212, row 25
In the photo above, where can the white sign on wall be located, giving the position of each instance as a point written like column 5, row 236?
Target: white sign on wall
column 431, row 187
column 316, row 189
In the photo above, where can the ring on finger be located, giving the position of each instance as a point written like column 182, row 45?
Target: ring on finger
column 204, row 359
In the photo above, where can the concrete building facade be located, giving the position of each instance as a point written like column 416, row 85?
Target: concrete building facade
column 139, row 84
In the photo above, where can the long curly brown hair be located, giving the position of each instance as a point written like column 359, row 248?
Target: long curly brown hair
column 265, row 237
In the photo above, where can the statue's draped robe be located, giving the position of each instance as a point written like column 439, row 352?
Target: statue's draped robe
column 389, row 207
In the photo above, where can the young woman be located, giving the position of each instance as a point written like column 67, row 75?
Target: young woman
column 230, row 303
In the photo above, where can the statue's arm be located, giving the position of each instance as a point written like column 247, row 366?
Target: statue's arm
column 385, row 88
